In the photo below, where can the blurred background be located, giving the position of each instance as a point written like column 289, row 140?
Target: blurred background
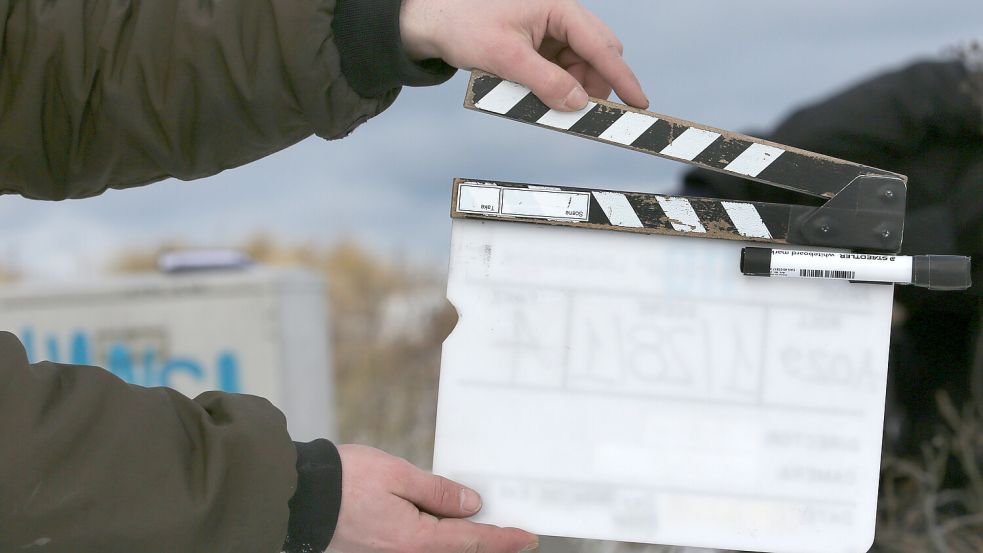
column 369, row 214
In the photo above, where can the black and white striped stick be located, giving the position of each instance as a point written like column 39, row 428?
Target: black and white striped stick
column 624, row 211
column 660, row 135
column 864, row 209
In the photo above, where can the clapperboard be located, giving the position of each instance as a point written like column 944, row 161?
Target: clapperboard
column 634, row 385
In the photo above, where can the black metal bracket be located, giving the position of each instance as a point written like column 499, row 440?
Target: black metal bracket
column 868, row 214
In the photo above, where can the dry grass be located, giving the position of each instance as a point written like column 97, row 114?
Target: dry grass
column 387, row 390
column 935, row 503
column 386, row 385
column 8, row 275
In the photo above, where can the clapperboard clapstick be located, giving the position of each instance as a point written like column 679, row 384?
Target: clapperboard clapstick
column 613, row 385
column 864, row 209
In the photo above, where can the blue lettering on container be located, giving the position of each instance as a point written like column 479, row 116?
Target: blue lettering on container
column 143, row 368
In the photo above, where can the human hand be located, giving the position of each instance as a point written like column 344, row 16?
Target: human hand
column 556, row 48
column 390, row 506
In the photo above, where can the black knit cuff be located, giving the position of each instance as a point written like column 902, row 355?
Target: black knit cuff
column 315, row 505
column 372, row 55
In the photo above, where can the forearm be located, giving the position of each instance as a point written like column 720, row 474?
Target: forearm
column 91, row 463
column 107, row 94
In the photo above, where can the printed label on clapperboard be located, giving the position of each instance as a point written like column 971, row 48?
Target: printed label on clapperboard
column 548, row 204
column 523, row 202
column 474, row 198
column 848, row 266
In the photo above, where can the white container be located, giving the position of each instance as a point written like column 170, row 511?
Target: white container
column 257, row 331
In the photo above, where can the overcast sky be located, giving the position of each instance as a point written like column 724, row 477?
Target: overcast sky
column 735, row 65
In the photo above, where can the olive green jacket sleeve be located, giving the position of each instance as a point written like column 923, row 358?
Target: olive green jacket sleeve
column 118, row 93
column 101, row 94
column 90, row 463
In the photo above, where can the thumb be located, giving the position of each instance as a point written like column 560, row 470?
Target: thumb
column 439, row 496
column 552, row 84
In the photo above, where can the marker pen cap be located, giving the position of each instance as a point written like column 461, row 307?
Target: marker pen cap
column 756, row 261
column 941, row 272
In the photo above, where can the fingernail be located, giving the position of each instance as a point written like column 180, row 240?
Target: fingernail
column 530, row 547
column 576, row 99
column 470, row 501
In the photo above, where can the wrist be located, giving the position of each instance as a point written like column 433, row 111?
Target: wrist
column 374, row 58
column 316, row 503
column 415, row 29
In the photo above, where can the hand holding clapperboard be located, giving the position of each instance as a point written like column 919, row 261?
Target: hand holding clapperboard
column 614, row 385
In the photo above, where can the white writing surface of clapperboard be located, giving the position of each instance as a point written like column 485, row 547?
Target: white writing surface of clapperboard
column 637, row 387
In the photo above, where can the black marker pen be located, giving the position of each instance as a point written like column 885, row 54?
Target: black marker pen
column 935, row 272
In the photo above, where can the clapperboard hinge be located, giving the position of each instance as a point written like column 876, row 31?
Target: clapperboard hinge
column 864, row 207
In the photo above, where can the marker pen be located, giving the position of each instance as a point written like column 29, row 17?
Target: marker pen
column 935, row 272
